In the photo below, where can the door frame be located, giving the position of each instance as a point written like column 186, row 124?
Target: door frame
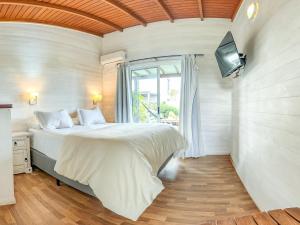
column 131, row 70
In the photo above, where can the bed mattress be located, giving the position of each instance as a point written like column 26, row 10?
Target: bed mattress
column 49, row 142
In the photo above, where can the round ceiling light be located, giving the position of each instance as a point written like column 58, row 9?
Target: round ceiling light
column 252, row 10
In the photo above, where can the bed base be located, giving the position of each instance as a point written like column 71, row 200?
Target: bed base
column 47, row 164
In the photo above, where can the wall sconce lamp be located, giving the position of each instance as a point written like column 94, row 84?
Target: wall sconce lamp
column 252, row 10
column 97, row 98
column 33, row 97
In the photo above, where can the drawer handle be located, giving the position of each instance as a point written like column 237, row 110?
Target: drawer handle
column 15, row 143
column 26, row 159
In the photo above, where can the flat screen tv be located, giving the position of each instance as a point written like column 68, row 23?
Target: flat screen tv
column 228, row 57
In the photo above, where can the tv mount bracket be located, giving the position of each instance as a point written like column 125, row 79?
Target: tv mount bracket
column 244, row 60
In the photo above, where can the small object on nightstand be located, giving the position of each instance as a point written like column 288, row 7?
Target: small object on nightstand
column 21, row 152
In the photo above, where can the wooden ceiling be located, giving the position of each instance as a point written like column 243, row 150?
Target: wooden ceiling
column 100, row 17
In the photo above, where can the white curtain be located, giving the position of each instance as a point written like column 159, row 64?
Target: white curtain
column 190, row 107
column 123, row 96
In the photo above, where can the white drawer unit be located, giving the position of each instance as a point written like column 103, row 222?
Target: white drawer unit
column 19, row 143
column 21, row 152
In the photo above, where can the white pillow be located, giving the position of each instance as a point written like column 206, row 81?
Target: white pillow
column 54, row 120
column 65, row 120
column 90, row 116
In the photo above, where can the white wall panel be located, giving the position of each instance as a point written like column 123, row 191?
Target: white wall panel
column 6, row 166
column 266, row 104
column 61, row 65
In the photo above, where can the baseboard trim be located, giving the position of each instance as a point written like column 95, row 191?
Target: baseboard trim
column 219, row 153
column 232, row 162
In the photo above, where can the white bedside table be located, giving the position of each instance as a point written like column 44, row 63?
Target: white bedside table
column 21, row 152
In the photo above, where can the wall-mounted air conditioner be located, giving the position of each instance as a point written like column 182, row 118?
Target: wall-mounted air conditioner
column 115, row 57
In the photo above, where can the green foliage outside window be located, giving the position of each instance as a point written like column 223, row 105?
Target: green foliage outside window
column 139, row 111
column 168, row 111
column 144, row 112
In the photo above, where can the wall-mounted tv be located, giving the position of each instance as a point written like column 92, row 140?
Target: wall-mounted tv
column 228, row 57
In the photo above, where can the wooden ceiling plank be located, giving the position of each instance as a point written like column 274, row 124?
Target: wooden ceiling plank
column 15, row 11
column 50, row 15
column 35, row 11
column 62, row 8
column 39, row 14
column 200, row 5
column 126, row 10
column 166, row 10
column 10, row 11
column 50, row 23
column 236, row 10
column 3, row 10
column 125, row 13
column 19, row 14
column 69, row 19
column 27, row 12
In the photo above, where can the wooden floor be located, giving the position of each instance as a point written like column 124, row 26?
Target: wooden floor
column 198, row 191
column 289, row 216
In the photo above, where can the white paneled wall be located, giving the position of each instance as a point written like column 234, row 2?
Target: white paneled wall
column 266, row 104
column 109, row 78
column 165, row 38
column 215, row 108
column 182, row 37
column 61, row 65
column 6, row 166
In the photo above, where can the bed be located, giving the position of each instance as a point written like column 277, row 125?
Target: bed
column 117, row 163
column 45, row 146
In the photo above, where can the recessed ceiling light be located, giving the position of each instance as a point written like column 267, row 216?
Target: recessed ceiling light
column 252, row 10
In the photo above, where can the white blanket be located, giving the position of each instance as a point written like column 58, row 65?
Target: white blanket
column 120, row 163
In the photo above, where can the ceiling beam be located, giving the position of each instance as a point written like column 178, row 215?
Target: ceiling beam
column 166, row 10
column 200, row 6
column 236, row 10
column 126, row 10
column 50, row 23
column 62, row 9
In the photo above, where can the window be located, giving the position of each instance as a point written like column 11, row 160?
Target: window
column 156, row 93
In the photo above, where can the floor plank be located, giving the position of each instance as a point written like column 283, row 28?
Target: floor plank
column 264, row 219
column 246, row 220
column 282, row 217
column 198, row 191
column 226, row 222
column 294, row 212
column 275, row 217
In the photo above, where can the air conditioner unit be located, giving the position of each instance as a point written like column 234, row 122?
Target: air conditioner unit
column 115, row 57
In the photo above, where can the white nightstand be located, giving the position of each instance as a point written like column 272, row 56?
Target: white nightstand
column 21, row 152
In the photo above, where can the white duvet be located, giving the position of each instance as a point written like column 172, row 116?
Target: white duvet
column 120, row 163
